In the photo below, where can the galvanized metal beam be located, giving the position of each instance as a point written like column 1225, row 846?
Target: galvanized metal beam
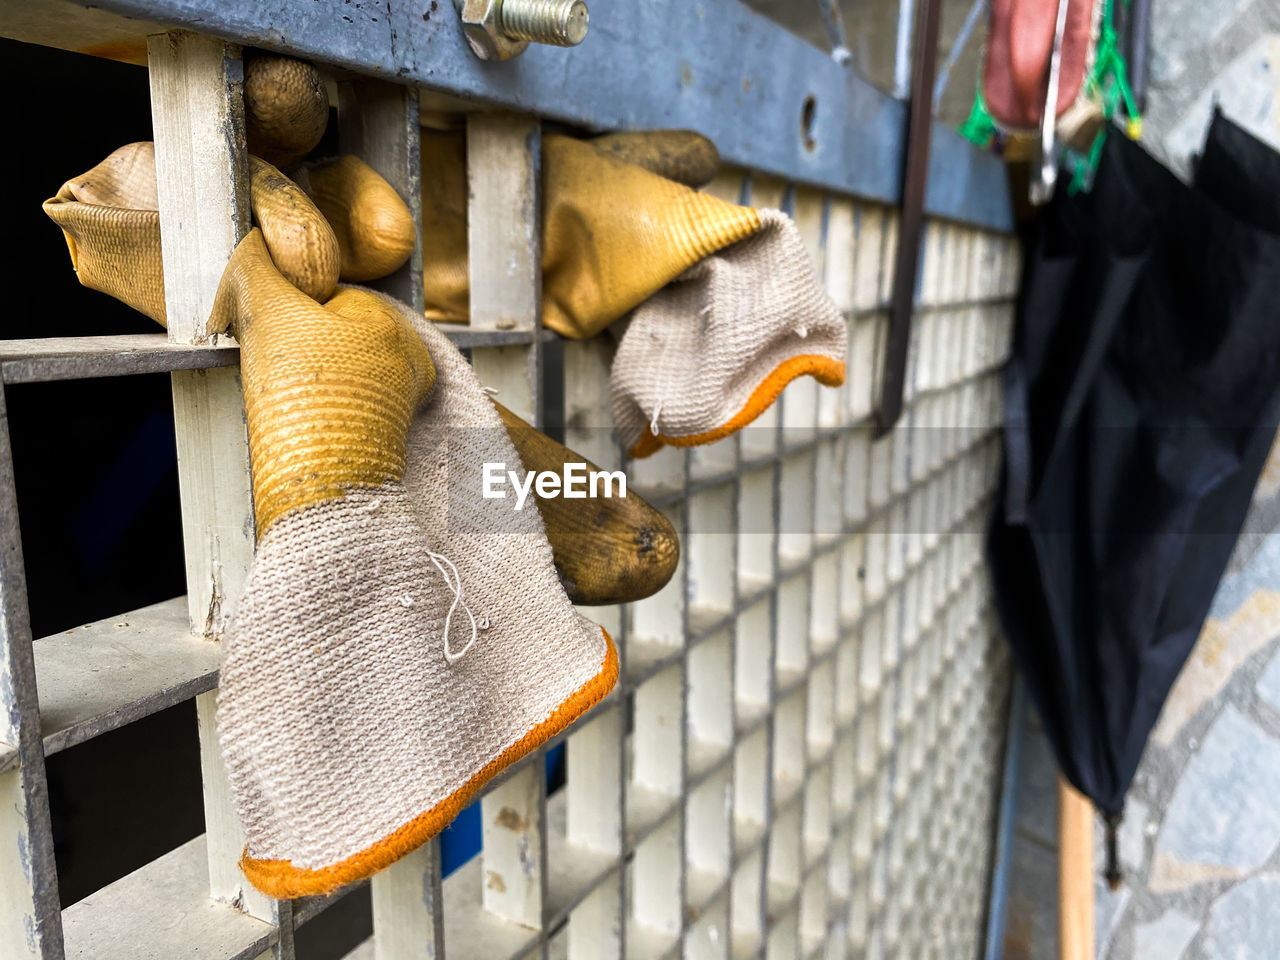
column 770, row 101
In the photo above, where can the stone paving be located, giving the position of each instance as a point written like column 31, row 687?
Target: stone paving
column 1201, row 840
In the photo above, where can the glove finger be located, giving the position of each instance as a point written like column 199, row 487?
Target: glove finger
column 301, row 241
column 606, row 549
column 286, row 108
column 110, row 218
column 684, row 156
column 373, row 225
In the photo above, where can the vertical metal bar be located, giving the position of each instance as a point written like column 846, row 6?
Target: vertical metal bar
column 30, row 917
column 408, row 915
column 597, row 775
column 686, row 592
column 833, row 20
column 378, row 122
column 596, row 772
column 1138, row 43
column 504, row 230
column 998, row 903
column 504, row 216
column 197, row 113
column 514, row 851
column 912, row 219
column 775, row 571
column 595, row 791
column 957, row 48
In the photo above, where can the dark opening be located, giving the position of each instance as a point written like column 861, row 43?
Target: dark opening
column 807, row 115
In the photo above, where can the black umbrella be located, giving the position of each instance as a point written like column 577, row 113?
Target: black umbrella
column 1141, row 402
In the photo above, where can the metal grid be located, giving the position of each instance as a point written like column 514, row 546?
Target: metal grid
column 829, row 649
column 800, row 757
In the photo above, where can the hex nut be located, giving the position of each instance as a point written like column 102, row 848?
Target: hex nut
column 481, row 25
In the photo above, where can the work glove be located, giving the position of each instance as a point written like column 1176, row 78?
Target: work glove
column 380, row 665
column 613, row 550
column 707, row 354
column 111, row 221
column 613, row 233
column 373, row 225
column 699, row 360
column 680, row 155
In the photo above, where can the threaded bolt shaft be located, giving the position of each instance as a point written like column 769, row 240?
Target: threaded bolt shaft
column 561, row 23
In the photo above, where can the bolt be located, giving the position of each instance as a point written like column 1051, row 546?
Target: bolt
column 501, row 29
column 545, row 21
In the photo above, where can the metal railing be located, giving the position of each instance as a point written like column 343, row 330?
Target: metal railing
column 800, row 758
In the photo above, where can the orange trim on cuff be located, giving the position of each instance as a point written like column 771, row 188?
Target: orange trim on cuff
column 828, row 372
column 282, row 880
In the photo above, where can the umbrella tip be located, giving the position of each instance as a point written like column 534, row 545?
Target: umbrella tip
column 1112, row 872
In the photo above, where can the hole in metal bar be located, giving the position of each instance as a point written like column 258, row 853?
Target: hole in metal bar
column 808, row 114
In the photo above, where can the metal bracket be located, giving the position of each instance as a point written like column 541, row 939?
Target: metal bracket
column 911, row 222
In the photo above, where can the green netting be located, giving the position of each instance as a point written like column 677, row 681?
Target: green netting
column 980, row 127
column 1108, row 81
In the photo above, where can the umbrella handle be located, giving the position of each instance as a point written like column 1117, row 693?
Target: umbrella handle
column 1075, row 874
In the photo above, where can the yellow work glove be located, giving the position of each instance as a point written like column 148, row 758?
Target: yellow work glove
column 680, row 155
column 112, row 226
column 613, row 233
column 286, row 108
column 727, row 308
column 707, row 354
column 110, row 218
column 379, row 667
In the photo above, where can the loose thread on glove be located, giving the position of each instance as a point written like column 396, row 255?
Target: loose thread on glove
column 653, row 421
column 455, row 586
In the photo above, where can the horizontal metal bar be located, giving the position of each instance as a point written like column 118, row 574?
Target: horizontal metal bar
column 704, row 760
column 648, row 658
column 647, row 810
column 78, row 358
column 463, row 337
column 472, row 932
column 107, row 674
column 646, row 943
column 769, row 100
column 160, row 912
